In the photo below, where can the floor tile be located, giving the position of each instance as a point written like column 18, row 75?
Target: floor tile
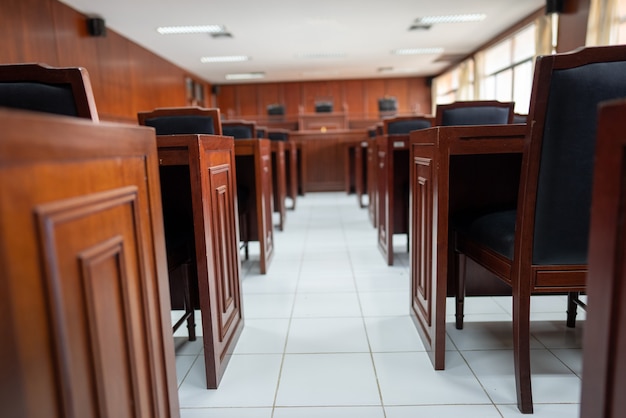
column 330, row 412
column 326, row 305
column 385, row 303
column 267, row 305
column 328, row 380
column 327, row 335
column 393, row 333
column 542, row 411
column 226, row 413
column 263, row 336
column 249, row 381
column 410, row 379
column 552, row 382
column 443, row 411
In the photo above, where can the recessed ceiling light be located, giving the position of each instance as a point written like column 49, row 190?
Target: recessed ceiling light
column 173, row 30
column 225, row 58
column 429, row 20
column 417, row 51
column 245, row 76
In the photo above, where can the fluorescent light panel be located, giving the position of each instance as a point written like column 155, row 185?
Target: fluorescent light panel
column 225, row 58
column 173, row 30
column 417, row 51
column 429, row 20
column 245, row 76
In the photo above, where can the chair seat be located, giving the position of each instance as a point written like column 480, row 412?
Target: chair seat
column 495, row 230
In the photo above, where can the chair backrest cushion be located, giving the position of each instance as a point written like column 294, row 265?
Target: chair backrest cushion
column 403, row 127
column 237, row 131
column 41, row 97
column 563, row 206
column 278, row 136
column 479, row 115
column 181, row 124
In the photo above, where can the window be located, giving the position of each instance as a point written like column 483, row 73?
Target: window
column 621, row 22
column 508, row 69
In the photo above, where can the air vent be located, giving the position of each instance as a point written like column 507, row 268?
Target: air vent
column 450, row 58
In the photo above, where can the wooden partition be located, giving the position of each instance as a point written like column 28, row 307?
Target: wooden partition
column 204, row 166
column 84, row 299
column 323, row 159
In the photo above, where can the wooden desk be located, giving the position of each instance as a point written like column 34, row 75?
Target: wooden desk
column 291, row 168
column 279, row 181
column 198, row 180
column 254, row 172
column 355, row 172
column 392, row 176
column 84, row 299
column 322, row 122
column 453, row 170
column 323, row 158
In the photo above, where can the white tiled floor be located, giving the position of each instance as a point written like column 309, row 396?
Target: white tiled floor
column 328, row 334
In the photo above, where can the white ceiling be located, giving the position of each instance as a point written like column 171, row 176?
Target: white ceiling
column 274, row 32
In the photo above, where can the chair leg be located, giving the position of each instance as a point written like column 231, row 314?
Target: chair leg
column 572, row 309
column 189, row 311
column 459, row 276
column 521, row 348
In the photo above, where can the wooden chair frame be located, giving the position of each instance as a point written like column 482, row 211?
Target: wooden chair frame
column 520, row 273
column 76, row 77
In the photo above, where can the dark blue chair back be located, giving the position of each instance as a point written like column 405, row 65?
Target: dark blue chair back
column 278, row 136
column 404, row 126
column 563, row 205
column 238, row 131
column 182, row 124
column 479, row 112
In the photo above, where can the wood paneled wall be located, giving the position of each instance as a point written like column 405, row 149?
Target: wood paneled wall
column 125, row 77
column 360, row 97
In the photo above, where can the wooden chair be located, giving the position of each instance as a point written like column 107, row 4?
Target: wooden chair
column 604, row 344
column 179, row 226
column 239, row 129
column 541, row 246
column 39, row 87
column 475, row 112
column 291, row 163
column 182, row 120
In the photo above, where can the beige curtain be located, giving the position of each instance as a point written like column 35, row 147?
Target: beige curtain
column 465, row 90
column 433, row 96
column 544, row 28
column 479, row 75
column 603, row 22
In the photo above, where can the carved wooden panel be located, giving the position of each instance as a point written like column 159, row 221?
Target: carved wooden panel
column 422, row 242
column 86, row 325
column 224, row 287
